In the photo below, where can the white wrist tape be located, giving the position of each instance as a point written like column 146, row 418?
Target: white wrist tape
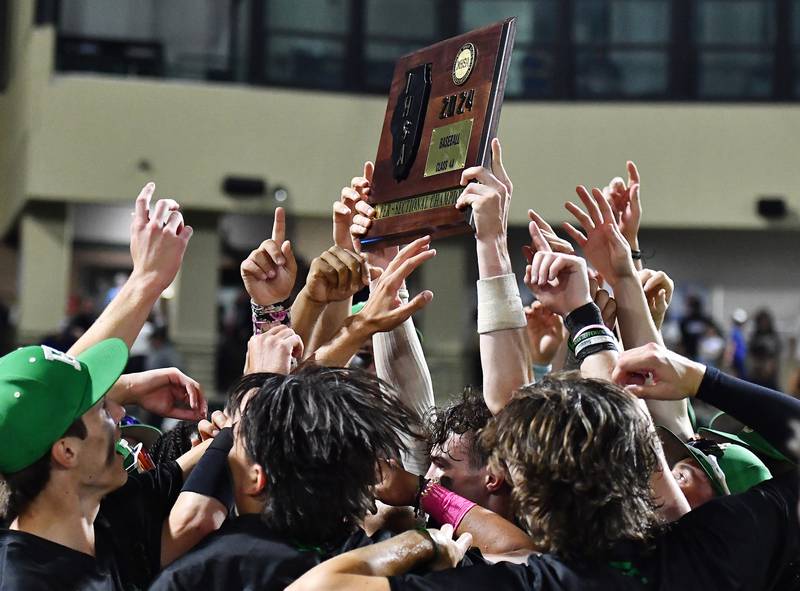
column 499, row 304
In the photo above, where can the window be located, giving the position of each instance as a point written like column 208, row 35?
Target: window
column 394, row 29
column 713, row 50
column 306, row 47
column 735, row 48
column 621, row 48
column 532, row 71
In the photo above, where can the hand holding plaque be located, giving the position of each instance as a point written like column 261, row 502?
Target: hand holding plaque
column 488, row 193
column 442, row 114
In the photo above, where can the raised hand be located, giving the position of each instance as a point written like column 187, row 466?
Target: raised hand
column 489, row 197
column 158, row 241
column 164, row 392
column 556, row 244
column 344, row 210
column 603, row 244
column 560, row 281
column 449, row 551
column 626, row 205
column 269, row 272
column 658, row 288
column 384, row 309
column 273, row 351
column 545, row 333
column 358, row 192
column 336, row 275
column 210, row 428
column 655, row 372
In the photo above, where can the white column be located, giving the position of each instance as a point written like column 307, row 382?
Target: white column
column 45, row 260
column 193, row 309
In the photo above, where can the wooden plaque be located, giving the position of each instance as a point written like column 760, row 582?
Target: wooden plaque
column 442, row 114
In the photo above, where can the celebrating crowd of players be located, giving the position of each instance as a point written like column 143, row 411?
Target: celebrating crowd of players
column 576, row 465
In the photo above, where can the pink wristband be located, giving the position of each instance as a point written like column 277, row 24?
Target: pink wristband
column 444, row 506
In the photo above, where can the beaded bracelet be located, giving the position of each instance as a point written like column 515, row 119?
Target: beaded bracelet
column 265, row 317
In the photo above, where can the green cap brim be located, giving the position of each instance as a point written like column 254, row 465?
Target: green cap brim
column 676, row 450
column 749, row 440
column 105, row 361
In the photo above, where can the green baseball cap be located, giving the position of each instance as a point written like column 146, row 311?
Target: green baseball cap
column 43, row 391
column 147, row 434
column 724, row 426
column 730, row 468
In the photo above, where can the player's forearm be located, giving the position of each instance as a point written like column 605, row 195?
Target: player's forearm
column 191, row 519
column 492, row 533
column 504, row 349
column 505, row 359
column 305, row 315
column 599, row 365
column 400, row 361
column 385, row 559
column 638, row 329
column 346, row 343
column 124, row 317
column 329, row 322
column 493, row 258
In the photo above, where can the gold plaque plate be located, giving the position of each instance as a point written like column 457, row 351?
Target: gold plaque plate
column 417, row 204
column 448, row 149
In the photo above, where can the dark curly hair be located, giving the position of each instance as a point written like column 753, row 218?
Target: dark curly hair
column 580, row 454
column 466, row 414
column 174, row 443
column 319, row 434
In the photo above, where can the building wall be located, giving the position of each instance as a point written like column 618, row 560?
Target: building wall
column 701, row 165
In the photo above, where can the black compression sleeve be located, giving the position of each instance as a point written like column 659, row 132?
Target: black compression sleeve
column 211, row 476
column 766, row 411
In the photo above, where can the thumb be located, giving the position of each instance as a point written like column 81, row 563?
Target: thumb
column 661, row 300
column 405, row 311
column 659, row 391
column 420, row 301
column 464, row 543
column 186, row 233
column 375, row 273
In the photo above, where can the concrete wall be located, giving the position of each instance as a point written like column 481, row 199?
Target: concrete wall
column 701, row 165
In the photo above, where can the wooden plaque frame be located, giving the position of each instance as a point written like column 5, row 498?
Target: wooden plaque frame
column 427, row 138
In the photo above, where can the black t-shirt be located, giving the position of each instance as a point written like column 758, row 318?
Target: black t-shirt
column 739, row 542
column 127, row 542
column 245, row 554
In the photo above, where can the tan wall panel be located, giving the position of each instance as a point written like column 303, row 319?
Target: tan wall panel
column 702, row 165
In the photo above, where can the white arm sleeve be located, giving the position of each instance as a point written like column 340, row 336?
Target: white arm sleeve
column 399, row 361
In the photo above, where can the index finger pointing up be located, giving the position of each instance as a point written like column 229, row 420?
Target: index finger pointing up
column 633, row 173
column 142, row 208
column 538, row 239
column 279, row 226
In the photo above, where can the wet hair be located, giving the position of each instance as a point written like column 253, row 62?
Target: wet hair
column 467, row 414
column 318, row 433
column 580, row 454
column 19, row 489
column 174, row 443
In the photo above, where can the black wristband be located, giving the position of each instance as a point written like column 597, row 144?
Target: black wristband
column 211, row 477
column 579, row 318
column 592, row 349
